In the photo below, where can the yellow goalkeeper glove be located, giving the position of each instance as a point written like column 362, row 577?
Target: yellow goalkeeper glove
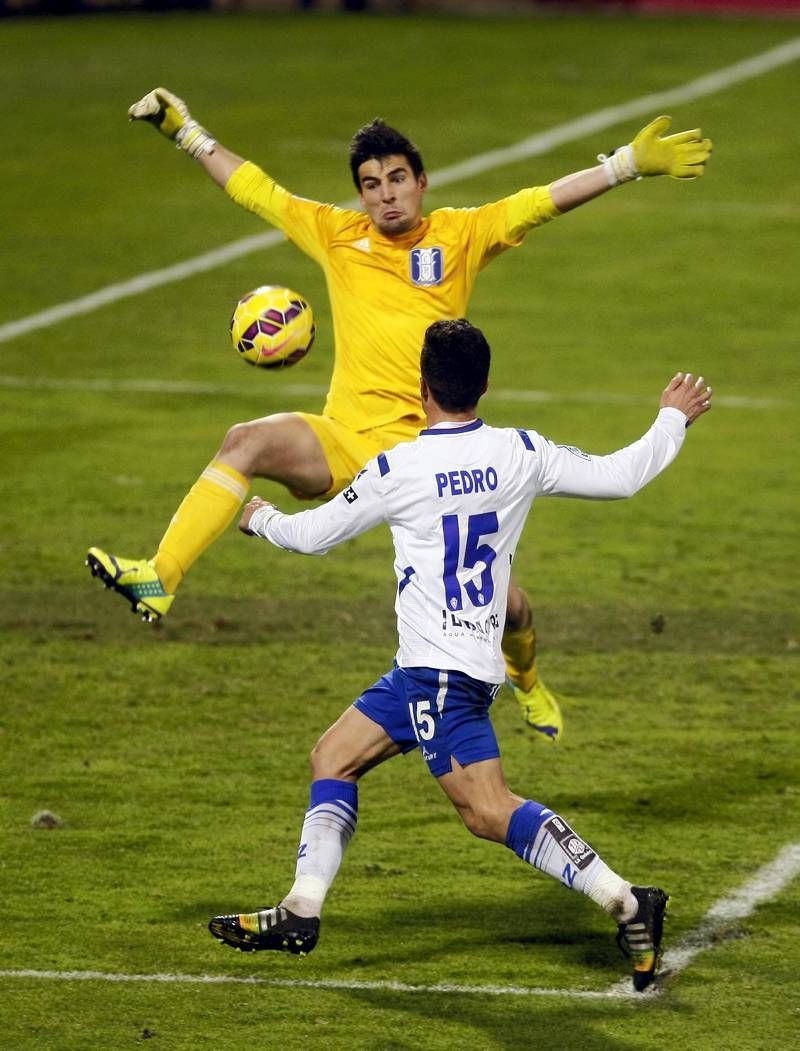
column 171, row 116
column 681, row 156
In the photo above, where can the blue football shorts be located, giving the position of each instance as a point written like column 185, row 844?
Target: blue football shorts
column 443, row 713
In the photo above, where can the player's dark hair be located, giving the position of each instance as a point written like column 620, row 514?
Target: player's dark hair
column 377, row 140
column 455, row 364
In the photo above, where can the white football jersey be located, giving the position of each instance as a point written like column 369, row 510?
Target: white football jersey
column 456, row 500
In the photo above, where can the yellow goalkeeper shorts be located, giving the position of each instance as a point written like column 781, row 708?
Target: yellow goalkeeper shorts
column 347, row 450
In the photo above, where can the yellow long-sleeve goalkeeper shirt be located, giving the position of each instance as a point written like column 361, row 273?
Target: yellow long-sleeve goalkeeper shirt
column 385, row 291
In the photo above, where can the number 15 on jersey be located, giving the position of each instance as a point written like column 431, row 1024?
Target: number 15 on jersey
column 463, row 549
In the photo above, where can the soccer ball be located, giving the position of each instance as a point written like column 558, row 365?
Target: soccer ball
column 272, row 327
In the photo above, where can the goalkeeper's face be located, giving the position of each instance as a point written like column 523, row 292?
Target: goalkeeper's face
column 391, row 194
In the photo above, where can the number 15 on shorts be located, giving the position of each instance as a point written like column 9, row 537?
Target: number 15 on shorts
column 421, row 719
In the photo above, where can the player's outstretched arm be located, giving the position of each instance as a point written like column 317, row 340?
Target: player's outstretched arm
column 681, row 156
column 691, row 396
column 315, row 531
column 566, row 471
column 170, row 115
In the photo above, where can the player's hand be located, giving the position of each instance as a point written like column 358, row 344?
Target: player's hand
column 249, row 509
column 692, row 396
column 171, row 116
column 163, row 110
column 682, row 156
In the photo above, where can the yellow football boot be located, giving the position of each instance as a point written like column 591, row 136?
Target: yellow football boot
column 540, row 710
column 537, row 704
column 133, row 578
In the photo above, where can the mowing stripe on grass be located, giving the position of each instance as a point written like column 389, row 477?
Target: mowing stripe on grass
column 312, row 390
column 534, row 146
column 766, row 884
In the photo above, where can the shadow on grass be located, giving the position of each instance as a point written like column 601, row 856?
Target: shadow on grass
column 498, row 1022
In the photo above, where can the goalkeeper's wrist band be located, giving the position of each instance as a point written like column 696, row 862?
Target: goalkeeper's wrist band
column 259, row 519
column 620, row 166
column 194, row 140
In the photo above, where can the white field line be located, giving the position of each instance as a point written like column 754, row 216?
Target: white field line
column 766, row 884
column 322, row 983
column 534, row 146
column 611, row 115
column 310, row 390
column 136, row 285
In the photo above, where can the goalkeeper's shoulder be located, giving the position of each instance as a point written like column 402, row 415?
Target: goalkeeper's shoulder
column 304, row 221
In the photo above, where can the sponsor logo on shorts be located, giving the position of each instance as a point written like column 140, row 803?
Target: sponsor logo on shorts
column 577, row 850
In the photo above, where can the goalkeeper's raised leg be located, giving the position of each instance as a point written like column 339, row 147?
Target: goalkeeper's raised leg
column 149, row 585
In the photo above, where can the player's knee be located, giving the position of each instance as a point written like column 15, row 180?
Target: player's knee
column 482, row 821
column 325, row 763
column 317, row 761
column 239, row 436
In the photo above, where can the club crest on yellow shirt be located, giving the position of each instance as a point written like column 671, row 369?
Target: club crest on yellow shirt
column 427, row 266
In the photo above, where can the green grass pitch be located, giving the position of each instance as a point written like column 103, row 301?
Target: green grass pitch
column 177, row 757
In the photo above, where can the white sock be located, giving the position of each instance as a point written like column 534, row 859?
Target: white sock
column 547, row 842
column 329, row 824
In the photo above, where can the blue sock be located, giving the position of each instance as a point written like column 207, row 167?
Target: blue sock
column 523, row 827
column 329, row 790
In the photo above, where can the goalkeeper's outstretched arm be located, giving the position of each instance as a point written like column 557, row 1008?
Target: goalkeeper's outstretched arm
column 170, row 115
column 681, row 156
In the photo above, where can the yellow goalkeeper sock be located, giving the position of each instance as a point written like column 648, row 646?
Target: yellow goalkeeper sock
column 519, row 650
column 206, row 512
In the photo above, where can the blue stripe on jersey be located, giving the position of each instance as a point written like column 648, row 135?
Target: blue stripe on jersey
column 409, row 573
column 526, row 440
column 383, row 464
column 454, row 430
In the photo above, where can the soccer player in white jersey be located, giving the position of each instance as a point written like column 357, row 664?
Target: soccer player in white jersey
column 391, row 271
column 456, row 500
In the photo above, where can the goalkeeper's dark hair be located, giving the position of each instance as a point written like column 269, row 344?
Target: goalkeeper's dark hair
column 455, row 364
column 376, row 140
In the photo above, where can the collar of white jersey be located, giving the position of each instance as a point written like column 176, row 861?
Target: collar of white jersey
column 453, row 427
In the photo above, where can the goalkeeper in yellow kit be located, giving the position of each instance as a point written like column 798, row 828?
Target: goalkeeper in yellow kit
column 391, row 272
